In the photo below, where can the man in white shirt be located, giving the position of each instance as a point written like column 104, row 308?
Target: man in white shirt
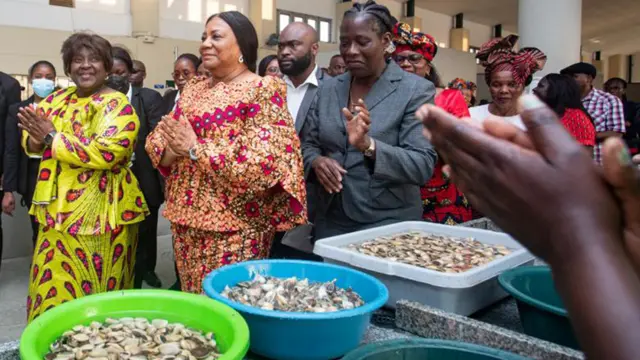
column 297, row 51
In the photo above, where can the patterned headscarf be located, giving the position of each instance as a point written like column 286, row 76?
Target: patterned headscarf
column 498, row 55
column 472, row 85
column 459, row 84
column 405, row 39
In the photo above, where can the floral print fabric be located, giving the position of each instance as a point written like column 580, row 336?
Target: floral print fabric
column 249, row 173
column 66, row 268
column 87, row 201
column 199, row 252
column 84, row 185
column 442, row 202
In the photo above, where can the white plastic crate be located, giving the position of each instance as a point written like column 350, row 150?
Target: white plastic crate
column 460, row 293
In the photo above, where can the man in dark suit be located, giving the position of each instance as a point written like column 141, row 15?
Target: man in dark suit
column 9, row 94
column 297, row 51
column 139, row 74
column 21, row 171
column 147, row 104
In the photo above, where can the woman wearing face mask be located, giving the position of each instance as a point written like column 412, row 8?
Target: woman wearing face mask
column 20, row 170
column 184, row 69
column 86, row 200
column 231, row 157
column 363, row 146
column 441, row 201
column 507, row 73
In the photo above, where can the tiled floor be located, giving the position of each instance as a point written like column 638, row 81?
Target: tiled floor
column 14, row 277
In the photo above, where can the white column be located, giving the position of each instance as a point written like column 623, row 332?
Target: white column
column 553, row 26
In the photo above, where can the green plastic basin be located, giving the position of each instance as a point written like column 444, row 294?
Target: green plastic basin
column 428, row 349
column 194, row 311
column 542, row 313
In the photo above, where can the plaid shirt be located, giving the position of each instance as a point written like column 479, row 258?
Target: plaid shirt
column 607, row 113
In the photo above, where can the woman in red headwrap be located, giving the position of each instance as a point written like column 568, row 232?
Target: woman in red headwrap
column 464, row 87
column 507, row 73
column 441, row 201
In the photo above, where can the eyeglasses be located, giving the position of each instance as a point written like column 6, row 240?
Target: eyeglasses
column 413, row 58
column 186, row 74
column 273, row 69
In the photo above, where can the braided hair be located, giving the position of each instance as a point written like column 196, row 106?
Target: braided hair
column 380, row 14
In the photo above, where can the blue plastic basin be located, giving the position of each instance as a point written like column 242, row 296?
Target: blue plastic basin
column 292, row 335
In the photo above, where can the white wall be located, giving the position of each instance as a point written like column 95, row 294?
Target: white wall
column 435, row 24
column 105, row 17
column 184, row 19
column 452, row 63
column 478, row 33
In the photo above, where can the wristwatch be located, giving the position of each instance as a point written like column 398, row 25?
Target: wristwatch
column 192, row 153
column 371, row 151
column 48, row 139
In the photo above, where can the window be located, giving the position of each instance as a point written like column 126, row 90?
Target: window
column 65, row 3
column 322, row 25
column 312, row 23
column 283, row 21
column 325, row 31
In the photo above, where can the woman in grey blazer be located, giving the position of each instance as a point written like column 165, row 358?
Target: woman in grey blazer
column 362, row 144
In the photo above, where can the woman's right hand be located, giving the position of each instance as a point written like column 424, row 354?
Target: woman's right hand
column 329, row 173
column 8, row 203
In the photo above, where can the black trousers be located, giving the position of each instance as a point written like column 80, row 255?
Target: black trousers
column 0, row 241
column 147, row 251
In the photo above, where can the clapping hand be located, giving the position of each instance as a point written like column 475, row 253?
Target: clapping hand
column 179, row 135
column 358, row 126
column 35, row 123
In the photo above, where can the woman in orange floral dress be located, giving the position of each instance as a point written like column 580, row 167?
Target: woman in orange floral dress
column 231, row 157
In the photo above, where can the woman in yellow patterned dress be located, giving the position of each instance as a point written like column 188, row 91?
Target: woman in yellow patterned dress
column 87, row 201
column 231, row 157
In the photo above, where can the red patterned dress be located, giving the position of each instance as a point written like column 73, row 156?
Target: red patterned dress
column 442, row 202
column 87, row 201
column 248, row 181
column 580, row 126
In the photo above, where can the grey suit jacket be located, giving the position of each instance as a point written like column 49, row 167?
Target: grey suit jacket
column 308, row 99
column 387, row 188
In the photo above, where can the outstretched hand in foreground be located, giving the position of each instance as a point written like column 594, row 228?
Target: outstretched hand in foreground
column 543, row 188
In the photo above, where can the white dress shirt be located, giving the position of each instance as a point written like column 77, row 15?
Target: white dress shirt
column 130, row 93
column 295, row 95
column 176, row 103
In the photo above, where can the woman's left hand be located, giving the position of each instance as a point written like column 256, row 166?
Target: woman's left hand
column 179, row 135
column 35, row 123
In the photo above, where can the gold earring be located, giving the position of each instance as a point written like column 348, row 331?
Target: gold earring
column 391, row 48
column 241, row 59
